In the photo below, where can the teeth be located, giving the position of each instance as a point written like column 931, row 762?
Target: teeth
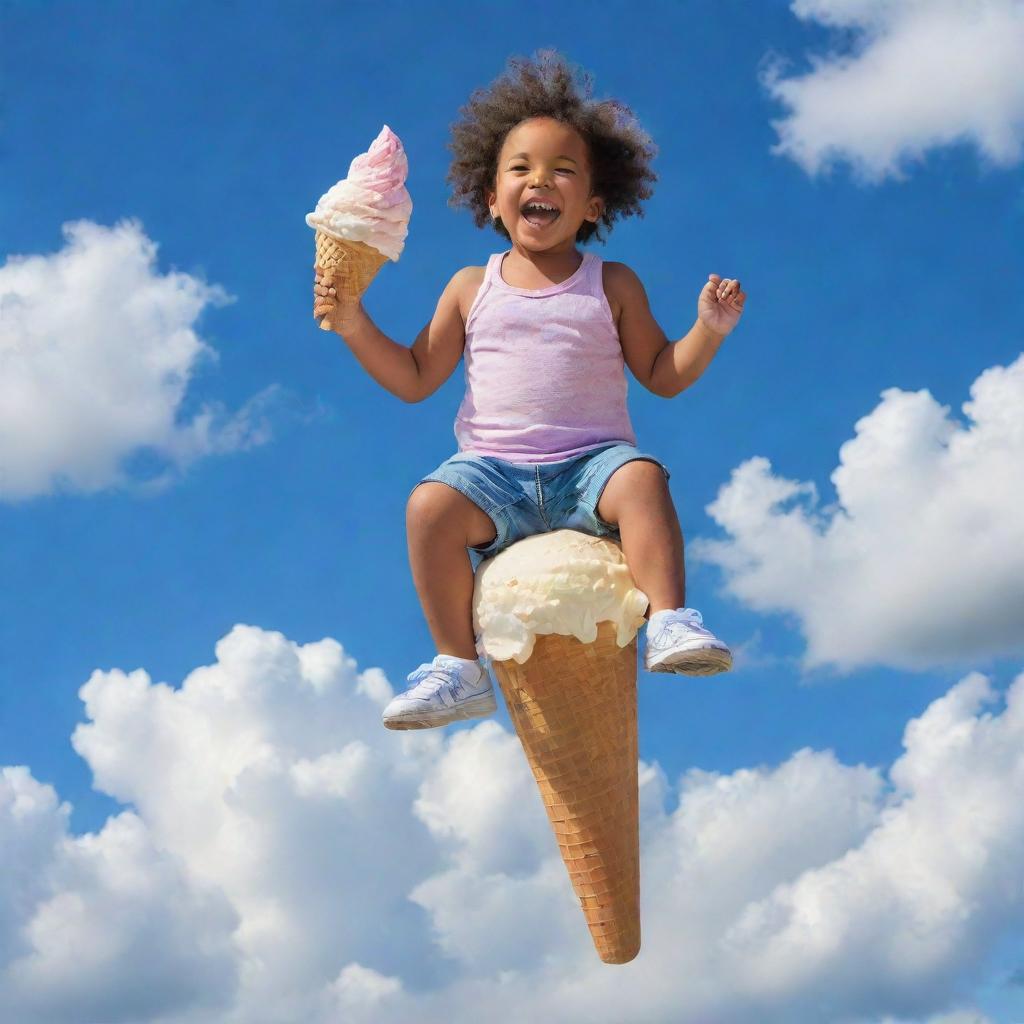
column 538, row 206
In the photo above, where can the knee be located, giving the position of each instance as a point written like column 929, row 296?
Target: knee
column 436, row 506
column 643, row 483
column 426, row 504
column 645, row 473
column 633, row 486
column 436, row 509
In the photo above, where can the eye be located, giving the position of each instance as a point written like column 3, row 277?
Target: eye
column 521, row 167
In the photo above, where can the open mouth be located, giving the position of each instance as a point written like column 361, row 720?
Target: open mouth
column 538, row 217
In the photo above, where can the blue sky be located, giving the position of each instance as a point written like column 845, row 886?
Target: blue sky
column 157, row 163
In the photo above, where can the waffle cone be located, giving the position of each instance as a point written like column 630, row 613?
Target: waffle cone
column 348, row 266
column 573, row 706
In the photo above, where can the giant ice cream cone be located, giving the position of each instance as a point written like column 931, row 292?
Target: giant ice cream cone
column 557, row 614
column 362, row 220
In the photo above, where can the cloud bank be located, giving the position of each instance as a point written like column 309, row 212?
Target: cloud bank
column 282, row 857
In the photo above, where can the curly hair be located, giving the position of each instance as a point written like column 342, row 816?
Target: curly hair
column 619, row 150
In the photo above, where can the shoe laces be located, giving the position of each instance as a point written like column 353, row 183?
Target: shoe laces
column 418, row 678
column 683, row 626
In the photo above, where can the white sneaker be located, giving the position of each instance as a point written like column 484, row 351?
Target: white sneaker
column 680, row 643
column 441, row 693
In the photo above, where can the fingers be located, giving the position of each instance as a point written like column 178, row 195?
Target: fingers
column 319, row 288
column 324, row 295
column 726, row 288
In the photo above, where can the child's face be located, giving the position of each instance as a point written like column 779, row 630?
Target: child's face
column 544, row 159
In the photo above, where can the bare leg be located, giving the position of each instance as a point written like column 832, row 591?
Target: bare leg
column 441, row 523
column 637, row 499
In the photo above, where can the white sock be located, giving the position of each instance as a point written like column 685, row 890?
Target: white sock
column 657, row 618
column 466, row 669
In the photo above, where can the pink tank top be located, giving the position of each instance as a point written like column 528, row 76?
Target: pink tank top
column 544, row 369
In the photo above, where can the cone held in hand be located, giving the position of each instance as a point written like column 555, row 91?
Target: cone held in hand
column 348, row 267
column 363, row 219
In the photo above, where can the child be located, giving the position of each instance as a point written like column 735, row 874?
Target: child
column 545, row 440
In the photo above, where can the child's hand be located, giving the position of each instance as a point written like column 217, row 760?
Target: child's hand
column 720, row 304
column 325, row 303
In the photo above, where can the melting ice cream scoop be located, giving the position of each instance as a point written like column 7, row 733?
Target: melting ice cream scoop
column 563, row 581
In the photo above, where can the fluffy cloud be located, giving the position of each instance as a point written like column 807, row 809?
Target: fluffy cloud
column 956, row 1017
column 283, row 857
column 918, row 74
column 105, row 926
column 921, row 561
column 96, row 352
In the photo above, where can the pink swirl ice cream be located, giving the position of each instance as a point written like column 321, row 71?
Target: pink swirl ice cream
column 371, row 205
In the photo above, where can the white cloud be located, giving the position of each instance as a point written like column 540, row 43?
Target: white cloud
column 104, row 926
column 908, row 77
column 968, row 1016
column 921, row 561
column 286, row 858
column 97, row 349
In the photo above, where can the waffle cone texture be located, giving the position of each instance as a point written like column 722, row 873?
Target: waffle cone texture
column 347, row 266
column 574, row 708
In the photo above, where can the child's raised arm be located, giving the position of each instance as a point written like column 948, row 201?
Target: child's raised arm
column 410, row 374
column 440, row 344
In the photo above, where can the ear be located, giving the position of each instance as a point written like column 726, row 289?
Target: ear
column 595, row 207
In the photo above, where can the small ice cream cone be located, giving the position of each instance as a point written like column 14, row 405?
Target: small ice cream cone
column 557, row 614
column 362, row 220
column 348, row 267
column 573, row 706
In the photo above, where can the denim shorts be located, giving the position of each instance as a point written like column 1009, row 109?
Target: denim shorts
column 523, row 499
